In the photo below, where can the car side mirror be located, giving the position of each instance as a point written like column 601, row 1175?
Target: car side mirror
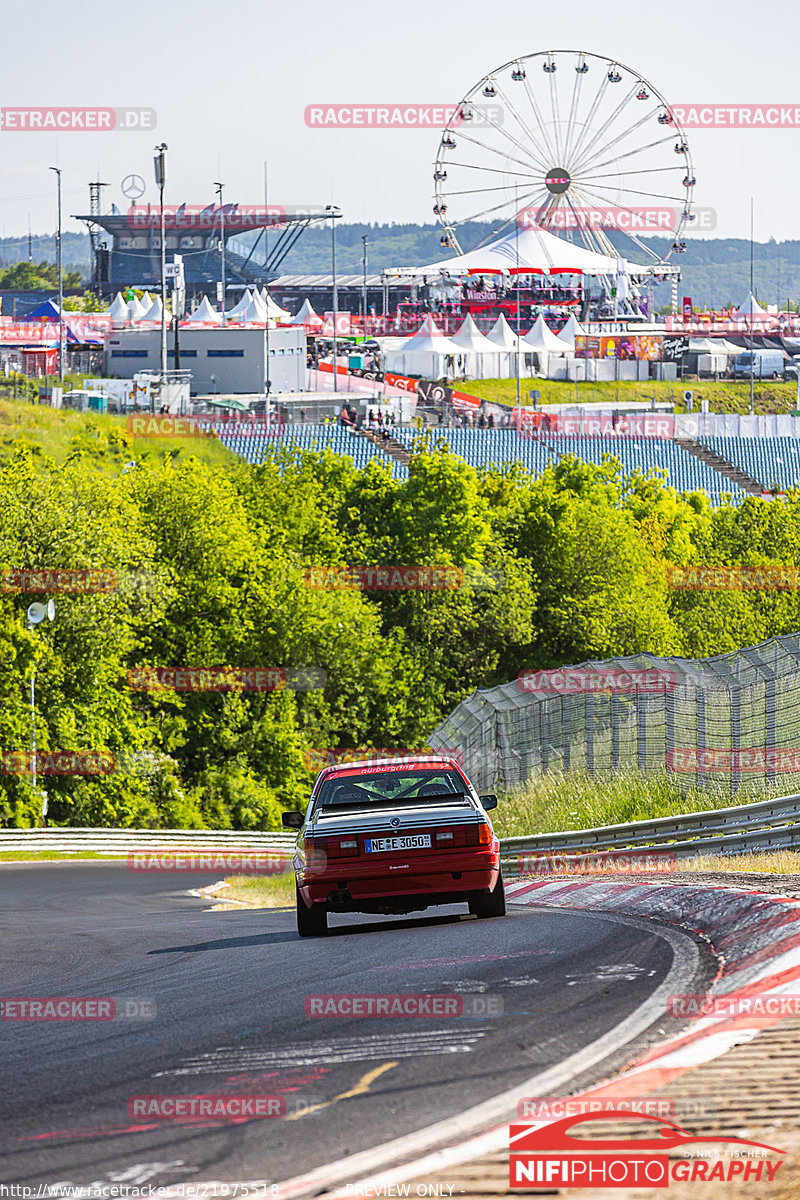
column 291, row 820
column 488, row 801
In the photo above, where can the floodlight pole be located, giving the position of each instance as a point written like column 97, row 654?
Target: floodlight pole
column 365, row 239
column 750, row 306
column 60, row 284
column 332, row 209
column 516, row 230
column 267, row 380
column 161, row 179
column 219, row 187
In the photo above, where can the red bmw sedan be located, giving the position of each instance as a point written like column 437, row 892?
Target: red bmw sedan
column 394, row 837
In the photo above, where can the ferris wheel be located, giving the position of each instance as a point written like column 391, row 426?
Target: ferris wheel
column 571, row 142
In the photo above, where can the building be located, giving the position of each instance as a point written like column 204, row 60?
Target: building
column 222, row 361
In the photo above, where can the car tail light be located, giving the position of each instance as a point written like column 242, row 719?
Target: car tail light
column 342, row 847
column 479, row 834
column 316, row 852
column 445, row 837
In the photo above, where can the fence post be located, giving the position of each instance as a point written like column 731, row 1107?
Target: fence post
column 589, row 710
column 641, row 731
column 701, row 738
column 614, row 730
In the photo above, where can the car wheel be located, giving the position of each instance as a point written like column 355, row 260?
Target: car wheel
column 311, row 922
column 490, row 904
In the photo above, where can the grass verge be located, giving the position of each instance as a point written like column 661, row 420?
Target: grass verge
column 560, row 803
column 724, row 396
column 259, row 891
column 776, row 862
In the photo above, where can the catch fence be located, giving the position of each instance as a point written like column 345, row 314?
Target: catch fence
column 729, row 721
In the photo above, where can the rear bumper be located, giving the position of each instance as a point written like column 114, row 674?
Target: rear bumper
column 445, row 880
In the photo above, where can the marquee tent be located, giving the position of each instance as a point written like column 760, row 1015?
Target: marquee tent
column 531, row 251
column 117, row 310
column 749, row 307
column 241, row 307
column 204, row 314
column 274, row 309
column 306, row 316
column 482, row 359
column 153, row 314
column 571, row 330
column 428, row 353
column 541, row 338
column 138, row 312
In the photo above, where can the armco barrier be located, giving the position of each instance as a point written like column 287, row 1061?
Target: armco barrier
column 766, row 825
column 118, row 843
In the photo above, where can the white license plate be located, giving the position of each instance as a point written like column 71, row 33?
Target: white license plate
column 417, row 841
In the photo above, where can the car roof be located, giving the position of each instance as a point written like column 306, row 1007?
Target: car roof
column 418, row 760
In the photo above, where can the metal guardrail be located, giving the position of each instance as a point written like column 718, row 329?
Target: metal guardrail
column 117, row 843
column 766, row 825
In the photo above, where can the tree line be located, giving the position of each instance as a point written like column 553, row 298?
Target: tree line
column 212, row 578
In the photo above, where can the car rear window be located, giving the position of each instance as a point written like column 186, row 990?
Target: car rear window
column 389, row 787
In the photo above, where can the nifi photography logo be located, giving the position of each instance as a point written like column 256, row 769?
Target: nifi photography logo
column 555, row 1156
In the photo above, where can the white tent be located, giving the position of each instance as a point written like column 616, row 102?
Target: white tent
column 426, row 353
column 117, row 310
column 748, row 307
column 205, row 314
column 137, row 311
column 502, row 336
column 571, row 330
column 147, row 300
column 481, row 357
column 534, row 250
column 713, row 346
column 541, row 337
column 274, row 309
column 245, row 302
column 306, row 316
column 153, row 313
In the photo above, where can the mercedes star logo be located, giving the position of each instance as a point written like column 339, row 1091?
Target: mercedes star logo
column 133, row 186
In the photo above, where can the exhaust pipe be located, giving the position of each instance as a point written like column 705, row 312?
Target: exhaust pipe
column 340, row 899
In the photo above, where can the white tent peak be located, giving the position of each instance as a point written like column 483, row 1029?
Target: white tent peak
column 306, row 315
column 154, row 311
column 749, row 306
column 501, row 334
column 117, row 310
column 205, row 313
column 469, row 337
column 541, row 337
column 571, row 330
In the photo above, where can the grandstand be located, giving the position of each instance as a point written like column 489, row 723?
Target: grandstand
column 496, row 447
column 253, row 444
column 773, row 461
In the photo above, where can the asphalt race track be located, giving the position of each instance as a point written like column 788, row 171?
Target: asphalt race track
column 229, row 990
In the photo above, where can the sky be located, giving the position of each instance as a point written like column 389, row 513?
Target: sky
column 230, row 84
